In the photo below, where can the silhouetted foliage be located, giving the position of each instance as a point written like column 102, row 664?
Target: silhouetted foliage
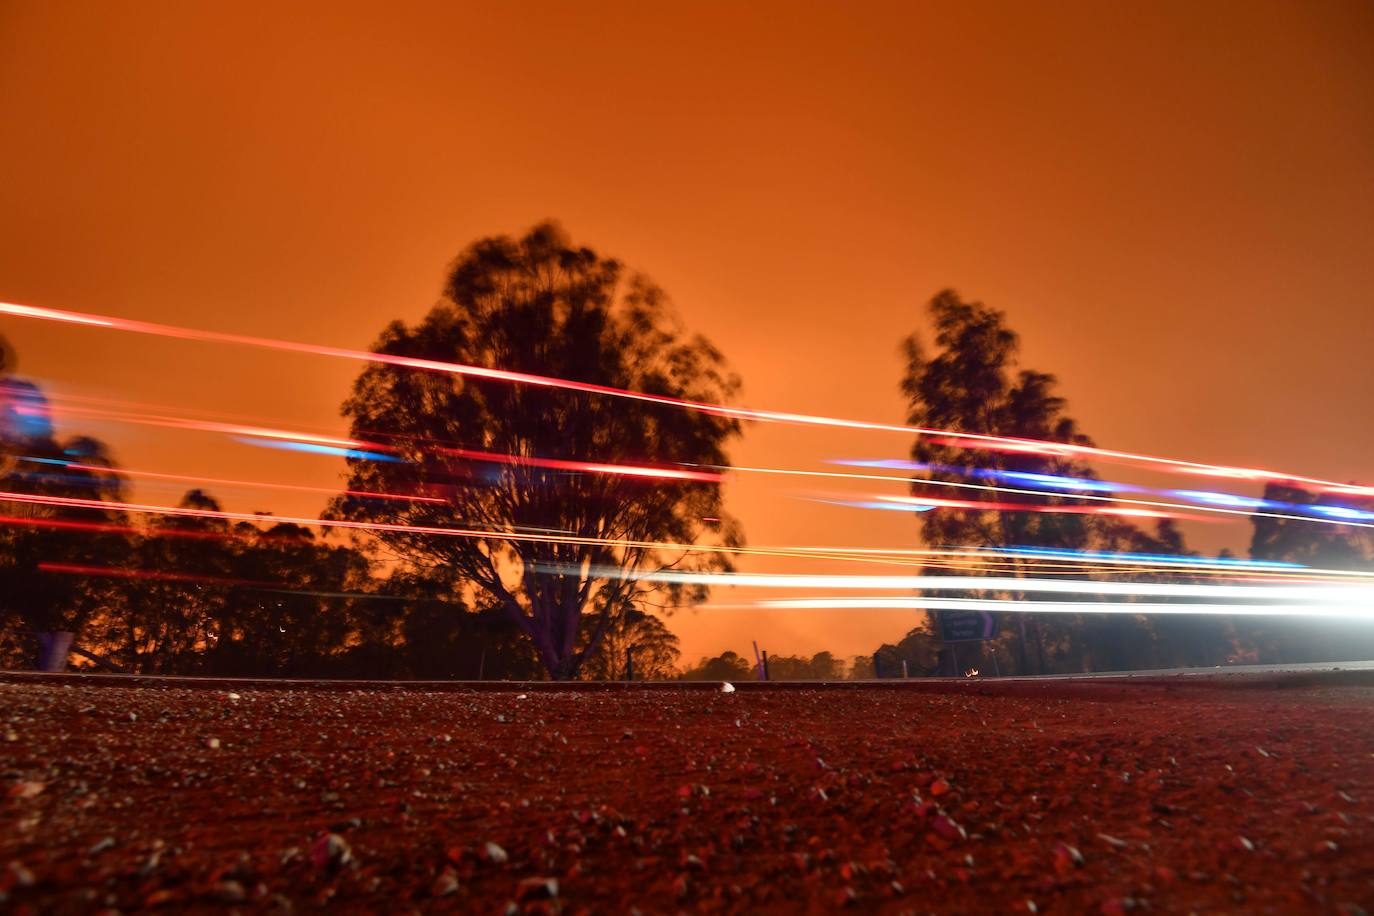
column 972, row 383
column 919, row 648
column 861, row 668
column 1312, row 543
column 191, row 594
column 654, row 646
column 823, row 666
column 728, row 666
column 1318, row 545
column 414, row 628
column 538, row 305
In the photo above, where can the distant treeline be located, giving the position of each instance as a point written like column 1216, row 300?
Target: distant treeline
column 196, row 595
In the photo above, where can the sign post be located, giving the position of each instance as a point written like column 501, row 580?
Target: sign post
column 967, row 626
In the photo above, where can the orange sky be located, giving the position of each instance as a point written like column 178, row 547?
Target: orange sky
column 1174, row 202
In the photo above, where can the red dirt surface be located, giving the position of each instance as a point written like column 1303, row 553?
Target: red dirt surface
column 1060, row 798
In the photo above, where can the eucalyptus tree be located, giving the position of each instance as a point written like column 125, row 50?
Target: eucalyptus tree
column 530, row 469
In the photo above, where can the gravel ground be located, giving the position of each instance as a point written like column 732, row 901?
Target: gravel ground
column 1001, row 797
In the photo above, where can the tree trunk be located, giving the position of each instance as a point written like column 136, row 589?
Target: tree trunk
column 566, row 669
column 53, row 648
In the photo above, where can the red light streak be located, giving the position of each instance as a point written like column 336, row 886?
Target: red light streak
column 181, row 511
column 587, row 467
column 110, row 528
column 300, row 488
column 262, row 432
column 214, row 426
column 962, row 558
column 156, row 575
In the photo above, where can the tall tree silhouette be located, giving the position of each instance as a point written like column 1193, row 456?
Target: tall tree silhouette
column 538, row 305
column 972, row 383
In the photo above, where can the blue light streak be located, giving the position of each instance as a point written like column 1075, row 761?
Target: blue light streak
column 317, row 449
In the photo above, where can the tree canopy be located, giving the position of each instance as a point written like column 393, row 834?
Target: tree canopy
column 728, row 666
column 972, row 382
column 563, row 541
column 632, row 634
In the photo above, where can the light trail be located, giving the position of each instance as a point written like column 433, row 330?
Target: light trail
column 964, row 439
column 839, row 603
column 1152, row 559
column 927, row 557
column 932, row 557
column 1216, row 503
column 314, row 448
column 965, row 558
column 929, row 503
column 1075, row 486
column 231, row 535
column 1333, row 517
column 950, row 559
column 374, row 451
column 985, row 488
column 110, row 528
column 1056, row 607
column 249, row 484
column 345, row 446
column 1151, row 562
column 1315, row 593
column 154, row 575
column 258, row 534
column 439, row 531
column 918, row 501
column 584, row 467
column 215, row 426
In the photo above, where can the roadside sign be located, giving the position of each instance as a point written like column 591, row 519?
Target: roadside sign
column 967, row 626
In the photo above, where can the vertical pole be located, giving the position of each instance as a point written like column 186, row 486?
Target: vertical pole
column 765, row 664
column 904, row 672
column 1040, row 667
column 1025, row 645
column 996, row 668
column 482, row 664
column 758, row 661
